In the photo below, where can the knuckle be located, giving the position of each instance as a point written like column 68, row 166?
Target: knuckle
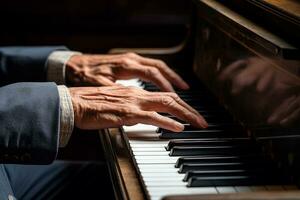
column 125, row 60
column 161, row 63
column 174, row 96
column 167, row 101
column 131, row 89
column 151, row 114
column 130, row 54
column 125, row 110
column 153, row 72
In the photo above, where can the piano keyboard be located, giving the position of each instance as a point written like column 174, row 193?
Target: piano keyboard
column 216, row 160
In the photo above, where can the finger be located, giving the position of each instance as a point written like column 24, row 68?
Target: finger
column 286, row 108
column 153, row 75
column 172, row 76
column 178, row 100
column 167, row 104
column 158, row 120
column 291, row 118
column 231, row 70
column 265, row 82
column 102, row 81
column 242, row 81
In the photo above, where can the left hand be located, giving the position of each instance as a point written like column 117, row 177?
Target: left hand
column 104, row 70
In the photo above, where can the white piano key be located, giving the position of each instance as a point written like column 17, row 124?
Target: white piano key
column 155, row 191
column 156, row 166
column 258, row 188
column 161, row 161
column 169, row 160
column 131, row 82
column 150, row 153
column 140, row 128
column 164, row 175
column 159, row 157
column 164, row 183
column 144, row 170
column 153, row 145
column 163, row 179
column 242, row 189
column 156, row 197
column 225, row 189
column 148, row 149
column 140, row 141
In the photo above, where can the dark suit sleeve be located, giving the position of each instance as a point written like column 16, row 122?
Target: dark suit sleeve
column 29, row 123
column 23, row 64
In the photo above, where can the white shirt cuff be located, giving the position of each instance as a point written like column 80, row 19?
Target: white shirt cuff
column 66, row 115
column 56, row 66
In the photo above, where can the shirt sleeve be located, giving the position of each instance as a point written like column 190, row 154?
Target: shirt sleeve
column 66, row 115
column 56, row 65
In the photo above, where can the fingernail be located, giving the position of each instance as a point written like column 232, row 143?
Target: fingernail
column 203, row 123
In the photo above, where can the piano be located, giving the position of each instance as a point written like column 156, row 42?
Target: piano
column 242, row 61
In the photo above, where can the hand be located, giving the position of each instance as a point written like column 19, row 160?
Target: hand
column 252, row 72
column 104, row 70
column 114, row 106
column 287, row 113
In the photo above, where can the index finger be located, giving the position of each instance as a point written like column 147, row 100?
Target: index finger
column 167, row 104
column 172, row 76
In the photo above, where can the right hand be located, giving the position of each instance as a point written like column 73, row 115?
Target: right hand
column 115, row 106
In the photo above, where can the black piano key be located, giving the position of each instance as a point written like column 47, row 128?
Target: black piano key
column 225, row 181
column 198, row 98
column 202, row 134
column 221, row 126
column 217, row 119
column 206, row 159
column 212, row 166
column 206, row 142
column 211, row 119
column 212, row 173
column 211, row 110
column 271, row 174
column 239, row 165
column 211, row 150
column 150, row 87
column 220, row 159
column 224, row 126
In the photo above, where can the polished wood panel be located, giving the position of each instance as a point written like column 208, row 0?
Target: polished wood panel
column 290, row 6
column 125, row 179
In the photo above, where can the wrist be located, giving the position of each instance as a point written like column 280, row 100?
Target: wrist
column 75, row 103
column 71, row 68
column 56, row 65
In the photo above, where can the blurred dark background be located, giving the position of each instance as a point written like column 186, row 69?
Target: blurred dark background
column 94, row 25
